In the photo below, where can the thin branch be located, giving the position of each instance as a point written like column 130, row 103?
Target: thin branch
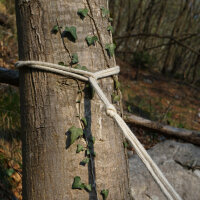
column 161, row 36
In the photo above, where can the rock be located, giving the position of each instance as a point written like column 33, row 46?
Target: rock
column 148, row 81
column 180, row 163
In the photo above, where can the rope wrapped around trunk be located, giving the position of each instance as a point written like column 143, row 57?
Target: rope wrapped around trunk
column 156, row 173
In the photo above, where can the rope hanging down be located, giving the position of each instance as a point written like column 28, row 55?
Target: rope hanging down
column 158, row 176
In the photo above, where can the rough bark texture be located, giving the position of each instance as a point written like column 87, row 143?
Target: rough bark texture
column 49, row 108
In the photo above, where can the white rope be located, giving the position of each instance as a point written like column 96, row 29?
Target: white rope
column 158, row 176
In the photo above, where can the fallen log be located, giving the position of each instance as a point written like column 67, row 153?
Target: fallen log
column 9, row 76
column 184, row 134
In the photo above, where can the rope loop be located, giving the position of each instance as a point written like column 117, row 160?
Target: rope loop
column 158, row 176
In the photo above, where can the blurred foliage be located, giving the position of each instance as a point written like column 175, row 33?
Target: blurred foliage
column 5, row 172
column 9, row 5
column 9, row 110
column 143, row 59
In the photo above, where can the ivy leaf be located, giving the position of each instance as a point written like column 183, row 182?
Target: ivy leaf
column 77, row 184
column 115, row 98
column 129, row 109
column 70, row 33
column 75, row 133
column 105, row 12
column 84, row 68
column 61, row 63
column 94, row 154
column 88, row 187
column 84, row 121
column 125, row 144
column 82, row 13
column 55, row 29
column 90, row 152
column 110, row 19
column 75, row 58
column 91, row 40
column 117, row 84
column 85, row 161
column 110, row 28
column 104, row 194
column 79, row 148
column 87, row 152
column 10, row 172
column 110, row 49
column 92, row 139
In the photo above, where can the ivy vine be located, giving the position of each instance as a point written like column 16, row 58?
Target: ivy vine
column 70, row 32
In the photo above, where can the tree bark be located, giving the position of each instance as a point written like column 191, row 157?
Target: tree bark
column 50, row 105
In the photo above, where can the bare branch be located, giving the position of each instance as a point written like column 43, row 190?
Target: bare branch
column 176, row 40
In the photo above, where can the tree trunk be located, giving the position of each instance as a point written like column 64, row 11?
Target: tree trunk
column 51, row 104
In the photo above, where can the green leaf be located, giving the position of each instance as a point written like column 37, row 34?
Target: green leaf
column 91, row 40
column 105, row 12
column 110, row 49
column 84, row 68
column 85, row 161
column 82, row 13
column 77, row 184
column 104, row 194
column 84, row 121
column 92, row 139
column 90, row 152
column 75, row 133
column 129, row 109
column 87, row 152
column 10, row 172
column 117, row 84
column 88, row 187
column 110, row 19
column 70, row 33
column 115, row 98
column 79, row 148
column 75, row 58
column 55, row 29
column 94, row 154
column 61, row 63
column 110, row 28
column 125, row 144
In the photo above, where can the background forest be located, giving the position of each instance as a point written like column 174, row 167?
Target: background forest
column 158, row 50
column 161, row 35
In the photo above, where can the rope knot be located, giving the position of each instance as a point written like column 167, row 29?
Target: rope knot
column 111, row 110
column 93, row 75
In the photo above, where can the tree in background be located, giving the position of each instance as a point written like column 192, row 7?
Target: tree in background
column 165, row 30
